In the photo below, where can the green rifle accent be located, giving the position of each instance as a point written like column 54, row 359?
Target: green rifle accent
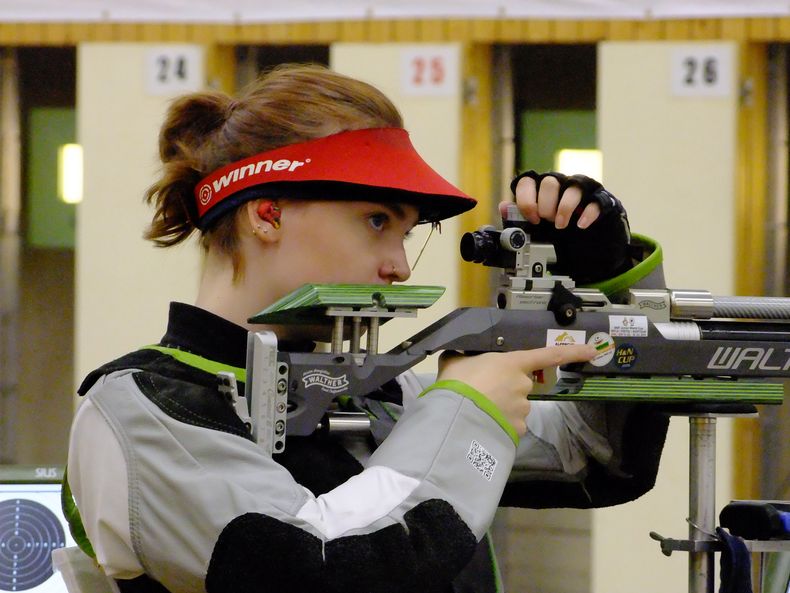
column 641, row 270
column 309, row 303
column 670, row 390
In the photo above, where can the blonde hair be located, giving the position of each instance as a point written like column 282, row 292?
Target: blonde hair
column 205, row 131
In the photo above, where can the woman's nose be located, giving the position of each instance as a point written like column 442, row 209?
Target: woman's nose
column 396, row 269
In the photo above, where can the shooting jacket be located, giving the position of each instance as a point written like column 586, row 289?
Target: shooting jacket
column 175, row 496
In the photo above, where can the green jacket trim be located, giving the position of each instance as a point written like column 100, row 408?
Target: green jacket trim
column 500, row 587
column 480, row 400
column 204, row 364
column 72, row 515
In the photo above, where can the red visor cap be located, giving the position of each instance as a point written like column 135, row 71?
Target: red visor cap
column 376, row 164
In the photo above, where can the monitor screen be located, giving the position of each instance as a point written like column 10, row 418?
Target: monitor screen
column 31, row 526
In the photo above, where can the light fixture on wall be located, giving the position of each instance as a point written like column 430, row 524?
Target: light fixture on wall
column 70, row 173
column 585, row 161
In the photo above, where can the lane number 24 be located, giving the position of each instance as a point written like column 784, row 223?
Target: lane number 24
column 171, row 67
column 174, row 69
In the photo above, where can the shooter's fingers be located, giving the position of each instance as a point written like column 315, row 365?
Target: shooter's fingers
column 448, row 355
column 570, row 200
column 589, row 215
column 449, row 358
column 554, row 356
column 503, row 209
column 548, row 197
column 527, row 199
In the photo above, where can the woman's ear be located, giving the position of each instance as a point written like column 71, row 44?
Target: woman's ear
column 264, row 218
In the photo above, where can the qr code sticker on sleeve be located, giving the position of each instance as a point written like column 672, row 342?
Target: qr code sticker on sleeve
column 481, row 460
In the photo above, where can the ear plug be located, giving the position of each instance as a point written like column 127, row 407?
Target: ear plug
column 269, row 212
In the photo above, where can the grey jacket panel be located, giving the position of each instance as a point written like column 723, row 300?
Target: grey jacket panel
column 474, row 452
column 183, row 491
column 561, row 437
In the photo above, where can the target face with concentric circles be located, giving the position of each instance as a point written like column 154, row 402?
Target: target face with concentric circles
column 29, row 532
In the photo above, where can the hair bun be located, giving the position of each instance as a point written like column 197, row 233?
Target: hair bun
column 190, row 119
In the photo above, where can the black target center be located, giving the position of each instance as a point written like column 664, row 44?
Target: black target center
column 16, row 544
column 29, row 531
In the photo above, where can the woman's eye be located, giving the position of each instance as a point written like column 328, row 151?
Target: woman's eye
column 378, row 221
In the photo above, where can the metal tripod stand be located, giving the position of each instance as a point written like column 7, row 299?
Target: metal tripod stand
column 702, row 543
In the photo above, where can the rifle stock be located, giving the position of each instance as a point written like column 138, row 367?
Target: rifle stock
column 655, row 345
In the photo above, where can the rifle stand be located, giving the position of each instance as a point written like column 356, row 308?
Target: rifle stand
column 702, row 499
column 702, row 543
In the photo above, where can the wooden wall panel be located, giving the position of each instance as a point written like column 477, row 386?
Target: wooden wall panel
column 432, row 30
column 704, row 29
column 407, row 30
column 538, row 30
column 484, row 30
column 751, row 198
column 592, row 31
column 476, row 163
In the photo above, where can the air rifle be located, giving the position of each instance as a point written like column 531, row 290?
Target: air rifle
column 654, row 345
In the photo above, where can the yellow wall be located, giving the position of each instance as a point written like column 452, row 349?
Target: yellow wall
column 123, row 284
column 434, row 127
column 671, row 159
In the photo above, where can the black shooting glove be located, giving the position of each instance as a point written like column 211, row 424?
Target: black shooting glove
column 600, row 251
column 735, row 564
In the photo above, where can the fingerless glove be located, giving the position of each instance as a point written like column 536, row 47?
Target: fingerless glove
column 600, row 251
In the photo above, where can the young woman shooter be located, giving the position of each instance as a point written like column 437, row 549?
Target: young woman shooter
column 308, row 176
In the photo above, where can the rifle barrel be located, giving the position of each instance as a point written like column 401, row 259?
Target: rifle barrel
column 745, row 307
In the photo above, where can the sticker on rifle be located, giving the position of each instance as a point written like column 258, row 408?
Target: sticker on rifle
column 604, row 344
column 628, row 326
column 327, row 383
column 625, row 356
column 565, row 337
